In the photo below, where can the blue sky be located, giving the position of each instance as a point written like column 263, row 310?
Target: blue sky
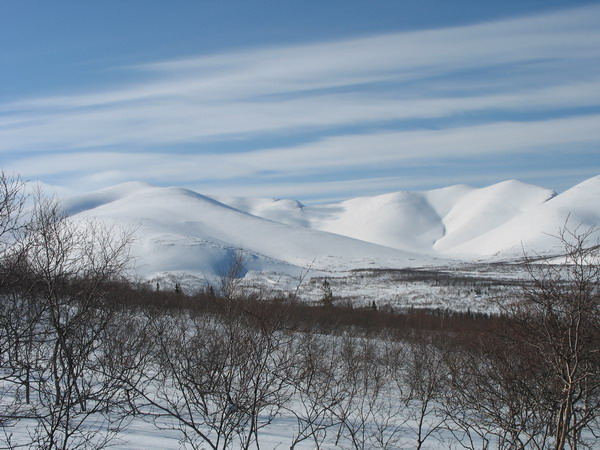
column 311, row 100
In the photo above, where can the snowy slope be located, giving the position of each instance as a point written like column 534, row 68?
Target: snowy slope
column 440, row 221
column 535, row 230
column 483, row 210
column 290, row 212
column 75, row 205
column 180, row 230
column 402, row 220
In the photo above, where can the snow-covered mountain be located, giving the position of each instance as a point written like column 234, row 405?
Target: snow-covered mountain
column 178, row 230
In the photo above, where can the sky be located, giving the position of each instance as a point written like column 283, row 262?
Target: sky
column 311, row 100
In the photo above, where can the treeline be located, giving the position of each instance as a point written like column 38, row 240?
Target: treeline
column 301, row 316
column 84, row 352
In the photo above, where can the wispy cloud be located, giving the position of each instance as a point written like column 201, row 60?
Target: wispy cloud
column 519, row 85
column 180, row 121
column 373, row 186
column 333, row 153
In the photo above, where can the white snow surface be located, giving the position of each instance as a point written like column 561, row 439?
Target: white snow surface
column 178, row 230
column 535, row 230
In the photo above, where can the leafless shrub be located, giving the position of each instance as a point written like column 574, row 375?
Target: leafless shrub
column 54, row 312
column 536, row 382
column 217, row 379
column 317, row 389
column 232, row 274
column 426, row 382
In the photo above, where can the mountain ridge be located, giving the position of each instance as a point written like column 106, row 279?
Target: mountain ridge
column 182, row 230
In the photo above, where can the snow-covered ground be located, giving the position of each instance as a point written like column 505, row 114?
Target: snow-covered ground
column 187, row 238
column 279, row 434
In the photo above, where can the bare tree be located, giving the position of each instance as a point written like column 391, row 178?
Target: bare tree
column 216, row 379
column 369, row 410
column 425, row 380
column 391, row 412
column 496, row 396
column 535, row 382
column 12, row 206
column 60, row 306
column 14, row 328
column 317, row 390
column 232, row 274
column 559, row 319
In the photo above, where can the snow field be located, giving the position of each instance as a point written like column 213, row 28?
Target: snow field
column 179, row 231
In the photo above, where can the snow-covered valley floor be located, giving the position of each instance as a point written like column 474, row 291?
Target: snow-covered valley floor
column 475, row 287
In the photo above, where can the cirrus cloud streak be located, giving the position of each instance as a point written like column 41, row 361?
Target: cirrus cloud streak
column 320, row 109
